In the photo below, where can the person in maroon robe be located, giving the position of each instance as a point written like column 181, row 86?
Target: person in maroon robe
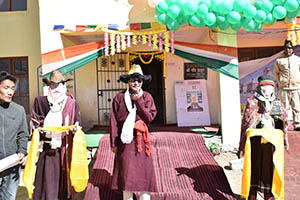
column 131, row 113
column 58, row 108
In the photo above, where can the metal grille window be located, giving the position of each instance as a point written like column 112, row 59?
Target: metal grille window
column 19, row 68
column 13, row 5
column 109, row 69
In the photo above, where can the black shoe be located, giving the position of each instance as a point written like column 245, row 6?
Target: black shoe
column 297, row 129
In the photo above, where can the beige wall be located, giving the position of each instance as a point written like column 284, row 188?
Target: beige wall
column 20, row 36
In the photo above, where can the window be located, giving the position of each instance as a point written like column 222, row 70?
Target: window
column 13, row 5
column 19, row 68
column 245, row 54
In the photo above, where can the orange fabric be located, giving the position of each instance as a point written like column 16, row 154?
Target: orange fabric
column 141, row 128
column 227, row 50
column 69, row 52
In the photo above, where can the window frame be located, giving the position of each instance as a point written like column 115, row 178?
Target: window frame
column 9, row 7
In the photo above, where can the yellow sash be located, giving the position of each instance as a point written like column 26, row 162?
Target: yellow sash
column 275, row 137
column 79, row 154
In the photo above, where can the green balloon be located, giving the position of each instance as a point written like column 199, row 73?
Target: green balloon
column 194, row 21
column 258, row 4
column 291, row 5
column 260, row 16
column 269, row 19
column 181, row 19
column 213, row 26
column 225, row 7
column 236, row 27
column 190, row 7
column 206, row 2
column 162, row 18
column 239, row 5
column 279, row 12
column 202, row 10
column 249, row 11
column 173, row 25
column 171, row 2
column 233, row 17
column 162, row 7
column 180, row 3
column 209, row 19
column 225, row 25
column 278, row 2
column 220, row 20
column 173, row 11
column 291, row 15
column 258, row 27
column 267, row 6
column 201, row 24
column 250, row 26
column 245, row 21
column 215, row 5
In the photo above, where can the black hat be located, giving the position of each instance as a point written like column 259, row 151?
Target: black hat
column 288, row 44
column 265, row 79
column 135, row 72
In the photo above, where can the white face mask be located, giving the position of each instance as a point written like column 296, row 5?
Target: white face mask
column 267, row 91
column 57, row 92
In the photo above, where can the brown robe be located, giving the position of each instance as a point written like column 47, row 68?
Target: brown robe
column 133, row 171
column 51, row 173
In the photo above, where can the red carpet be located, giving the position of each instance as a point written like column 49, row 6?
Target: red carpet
column 292, row 167
column 185, row 169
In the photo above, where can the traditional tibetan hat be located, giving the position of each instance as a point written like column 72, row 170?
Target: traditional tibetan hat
column 265, row 79
column 135, row 72
column 56, row 76
column 288, row 44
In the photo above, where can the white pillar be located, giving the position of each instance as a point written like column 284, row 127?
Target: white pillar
column 230, row 110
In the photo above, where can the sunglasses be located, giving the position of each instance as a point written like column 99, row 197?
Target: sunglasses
column 134, row 80
column 54, row 85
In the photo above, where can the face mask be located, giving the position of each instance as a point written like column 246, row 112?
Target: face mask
column 267, row 91
column 58, row 91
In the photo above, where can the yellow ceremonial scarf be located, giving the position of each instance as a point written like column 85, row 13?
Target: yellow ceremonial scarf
column 275, row 137
column 79, row 165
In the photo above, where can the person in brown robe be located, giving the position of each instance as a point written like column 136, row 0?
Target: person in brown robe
column 262, row 110
column 131, row 113
column 58, row 108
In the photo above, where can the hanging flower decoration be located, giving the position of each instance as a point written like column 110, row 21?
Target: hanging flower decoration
column 160, row 44
column 118, row 44
column 172, row 42
column 120, row 40
column 112, row 44
column 224, row 14
column 106, row 46
column 293, row 34
column 128, row 41
column 134, row 40
column 154, row 39
column 149, row 40
column 144, row 39
column 167, row 44
column 123, row 42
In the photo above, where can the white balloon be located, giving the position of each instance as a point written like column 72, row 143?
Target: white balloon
column 151, row 3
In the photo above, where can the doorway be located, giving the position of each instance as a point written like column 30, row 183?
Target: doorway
column 156, row 87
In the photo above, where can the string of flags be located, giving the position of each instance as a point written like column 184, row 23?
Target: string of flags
column 117, row 38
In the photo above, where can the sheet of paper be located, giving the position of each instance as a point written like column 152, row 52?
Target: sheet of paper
column 9, row 162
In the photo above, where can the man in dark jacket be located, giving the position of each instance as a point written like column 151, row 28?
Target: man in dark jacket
column 132, row 111
column 13, row 136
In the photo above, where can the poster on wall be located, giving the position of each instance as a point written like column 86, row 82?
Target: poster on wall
column 192, row 103
column 194, row 71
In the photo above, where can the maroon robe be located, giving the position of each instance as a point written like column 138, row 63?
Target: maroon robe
column 133, row 171
column 51, row 173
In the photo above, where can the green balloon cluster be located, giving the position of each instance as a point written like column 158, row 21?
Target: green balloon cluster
column 225, row 14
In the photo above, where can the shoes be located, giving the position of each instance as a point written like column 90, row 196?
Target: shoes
column 297, row 129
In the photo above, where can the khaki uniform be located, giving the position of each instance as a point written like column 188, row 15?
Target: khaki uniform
column 287, row 73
